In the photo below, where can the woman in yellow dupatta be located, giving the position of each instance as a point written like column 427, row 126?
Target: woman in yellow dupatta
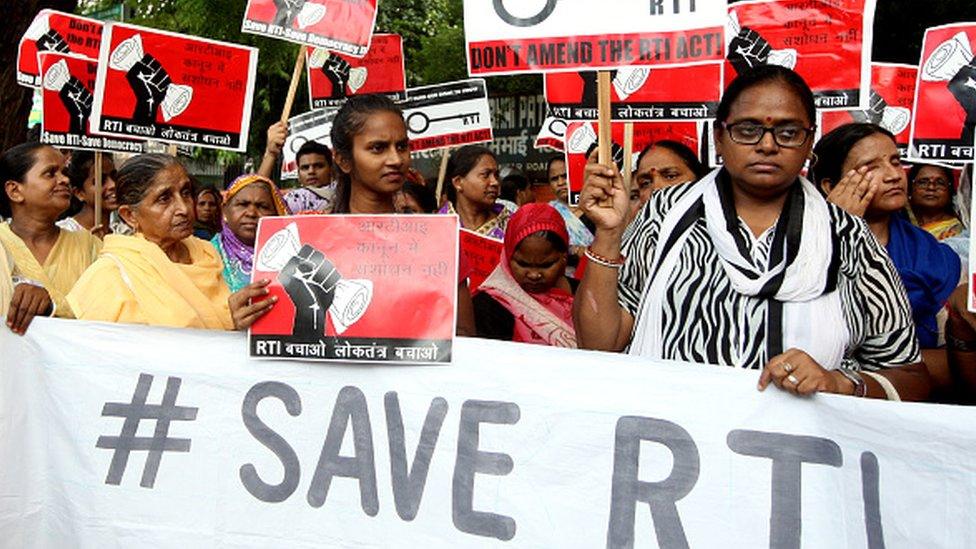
column 162, row 276
column 35, row 193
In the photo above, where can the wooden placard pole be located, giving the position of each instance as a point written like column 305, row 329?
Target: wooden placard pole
column 628, row 154
column 442, row 174
column 97, row 169
column 296, row 77
column 603, row 104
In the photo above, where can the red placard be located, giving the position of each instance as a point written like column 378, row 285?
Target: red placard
column 333, row 76
column 639, row 93
column 891, row 106
column 341, row 25
column 174, row 88
column 58, row 32
column 67, row 84
column 828, row 42
column 481, row 255
column 581, row 135
column 945, row 95
column 376, row 288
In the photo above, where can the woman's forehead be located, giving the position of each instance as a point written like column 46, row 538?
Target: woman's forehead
column 771, row 101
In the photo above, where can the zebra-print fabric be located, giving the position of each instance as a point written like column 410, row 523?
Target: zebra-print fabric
column 706, row 321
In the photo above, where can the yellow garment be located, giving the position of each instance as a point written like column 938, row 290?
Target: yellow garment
column 6, row 282
column 944, row 229
column 133, row 281
column 71, row 255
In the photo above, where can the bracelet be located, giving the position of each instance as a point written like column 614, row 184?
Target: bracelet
column 860, row 388
column 961, row 345
column 605, row 261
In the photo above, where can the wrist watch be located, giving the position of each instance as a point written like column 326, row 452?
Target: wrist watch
column 860, row 389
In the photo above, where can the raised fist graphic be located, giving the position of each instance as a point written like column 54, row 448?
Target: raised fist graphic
column 287, row 11
column 310, row 280
column 874, row 114
column 78, row 100
column 747, row 50
column 337, row 69
column 52, row 41
column 963, row 88
column 149, row 81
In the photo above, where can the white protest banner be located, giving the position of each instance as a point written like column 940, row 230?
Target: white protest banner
column 517, row 36
column 309, row 126
column 175, row 88
column 447, row 115
column 341, row 25
column 126, row 435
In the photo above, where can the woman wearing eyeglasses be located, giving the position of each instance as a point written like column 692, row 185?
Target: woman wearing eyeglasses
column 930, row 194
column 750, row 267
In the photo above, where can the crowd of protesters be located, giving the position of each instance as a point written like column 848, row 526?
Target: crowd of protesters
column 826, row 267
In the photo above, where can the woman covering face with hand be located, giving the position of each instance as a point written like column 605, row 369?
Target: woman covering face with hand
column 731, row 269
column 162, row 276
column 248, row 199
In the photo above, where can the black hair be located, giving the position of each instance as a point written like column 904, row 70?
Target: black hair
column 832, row 150
column 682, row 151
column 15, row 162
column 512, row 184
column 79, row 168
column 761, row 75
column 557, row 242
column 313, row 147
column 422, row 194
column 137, row 175
column 550, row 162
column 348, row 122
column 460, row 164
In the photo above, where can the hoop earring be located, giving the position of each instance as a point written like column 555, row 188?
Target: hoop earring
column 814, row 158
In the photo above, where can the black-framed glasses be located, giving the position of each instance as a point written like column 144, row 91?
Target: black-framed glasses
column 789, row 136
column 935, row 184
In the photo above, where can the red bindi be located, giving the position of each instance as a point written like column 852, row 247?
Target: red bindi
column 768, row 119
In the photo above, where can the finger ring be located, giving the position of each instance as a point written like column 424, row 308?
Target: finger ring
column 788, row 367
column 792, row 379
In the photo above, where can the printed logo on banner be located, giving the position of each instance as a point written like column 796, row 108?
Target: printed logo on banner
column 178, row 89
column 945, row 95
column 891, row 105
column 54, row 31
column 639, row 93
column 358, row 288
column 552, row 135
column 309, row 126
column 67, row 100
column 517, row 36
column 333, row 76
column 827, row 43
column 481, row 255
column 340, row 25
column 447, row 115
column 582, row 141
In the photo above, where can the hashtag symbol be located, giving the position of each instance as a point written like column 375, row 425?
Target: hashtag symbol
column 160, row 442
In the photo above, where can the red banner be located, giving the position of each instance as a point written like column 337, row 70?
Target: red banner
column 67, row 84
column 481, row 255
column 639, row 93
column 945, row 95
column 828, row 42
column 344, row 26
column 58, row 32
column 377, row 288
column 581, row 136
column 891, row 105
column 178, row 89
column 333, row 76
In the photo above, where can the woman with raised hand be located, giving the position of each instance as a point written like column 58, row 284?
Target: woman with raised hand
column 372, row 153
column 163, row 275
column 35, row 193
column 247, row 200
column 81, row 176
column 730, row 270
column 473, row 191
column 527, row 298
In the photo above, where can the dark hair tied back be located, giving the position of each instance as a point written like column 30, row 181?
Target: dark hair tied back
column 137, row 175
column 14, row 165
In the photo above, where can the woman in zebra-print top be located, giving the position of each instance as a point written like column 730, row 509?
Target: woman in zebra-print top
column 749, row 266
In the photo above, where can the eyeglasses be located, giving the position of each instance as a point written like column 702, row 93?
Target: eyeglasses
column 789, row 136
column 935, row 184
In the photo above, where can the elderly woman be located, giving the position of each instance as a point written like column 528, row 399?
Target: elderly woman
column 527, row 297
column 730, row 270
column 248, row 199
column 35, row 193
column 930, row 195
column 81, row 176
column 472, row 172
column 162, row 276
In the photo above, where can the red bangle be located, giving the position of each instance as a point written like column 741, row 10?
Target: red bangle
column 605, row 261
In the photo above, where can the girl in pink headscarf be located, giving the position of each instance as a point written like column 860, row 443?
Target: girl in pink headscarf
column 527, row 298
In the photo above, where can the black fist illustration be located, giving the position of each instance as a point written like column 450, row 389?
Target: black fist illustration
column 78, row 100
column 591, row 87
column 52, row 41
column 149, row 80
column 747, row 50
column 287, row 11
column 310, row 280
column 874, row 114
column 336, row 69
column 963, row 88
